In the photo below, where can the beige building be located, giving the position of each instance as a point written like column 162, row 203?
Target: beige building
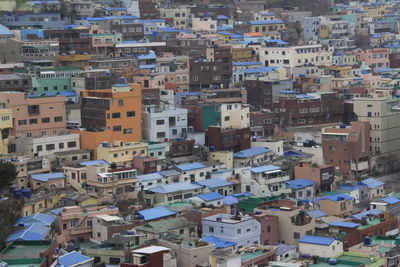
column 384, row 117
column 340, row 205
column 178, row 17
column 235, row 116
column 294, row 223
column 204, row 25
column 121, row 153
column 5, row 128
column 225, row 157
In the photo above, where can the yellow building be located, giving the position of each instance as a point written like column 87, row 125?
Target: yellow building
column 267, row 26
column 223, row 157
column 375, row 11
column 121, row 153
column 341, row 71
column 41, row 202
column 242, row 53
column 5, row 126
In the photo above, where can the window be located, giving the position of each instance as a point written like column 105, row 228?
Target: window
column 22, row 122
column 5, row 118
column 43, row 133
column 296, row 235
column 117, row 128
column 174, row 131
column 116, row 115
column 369, row 114
column 130, row 114
column 331, row 148
column 58, row 119
column 50, row 147
column 128, row 131
column 226, row 118
column 73, row 223
column 239, row 231
column 160, row 134
column 33, row 121
column 211, row 229
column 60, row 145
column 71, row 144
column 160, row 122
column 33, row 110
column 39, row 148
column 45, row 120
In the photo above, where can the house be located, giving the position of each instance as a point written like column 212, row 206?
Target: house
column 302, row 189
column 104, row 226
column 155, row 214
column 322, row 175
column 251, row 157
column 193, row 171
column 171, row 192
column 73, row 259
column 146, row 181
column 32, row 232
column 375, row 187
column 151, row 256
column 244, row 230
column 357, row 191
column 286, row 253
column 78, row 199
column 211, row 198
column 326, row 247
column 216, row 185
column 386, row 204
column 158, row 229
column 267, row 180
column 51, row 180
column 336, row 205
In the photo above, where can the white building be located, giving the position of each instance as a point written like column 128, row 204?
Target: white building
column 326, row 247
column 162, row 124
column 268, row 180
column 48, row 145
column 132, row 7
column 235, row 116
column 242, row 230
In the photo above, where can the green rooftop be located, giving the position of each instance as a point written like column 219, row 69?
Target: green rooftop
column 349, row 259
column 24, row 249
column 370, row 223
column 247, row 255
column 24, row 262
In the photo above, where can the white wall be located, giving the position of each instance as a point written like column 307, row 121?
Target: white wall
column 335, row 248
column 56, row 140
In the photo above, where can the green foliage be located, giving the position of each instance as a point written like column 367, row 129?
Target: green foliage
column 8, row 173
column 10, row 212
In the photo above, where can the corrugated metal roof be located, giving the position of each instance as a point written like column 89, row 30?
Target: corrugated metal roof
column 391, row 200
column 371, row 183
column 175, row 187
column 71, row 259
column 264, row 22
column 344, row 224
column 33, row 232
column 44, row 177
column 149, row 177
column 218, row 243
column 190, row 166
column 251, row 152
column 316, row 213
column 210, row 196
column 299, row 183
column 214, row 183
column 230, row 200
column 317, row 240
column 265, row 168
column 283, row 248
column 155, row 213
column 5, row 31
column 360, row 215
column 94, row 162
column 42, row 218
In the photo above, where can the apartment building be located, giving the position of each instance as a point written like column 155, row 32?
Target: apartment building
column 109, row 115
column 176, row 17
column 235, row 116
column 6, row 124
column 121, row 153
column 35, row 117
column 164, row 124
column 383, row 116
column 243, row 231
column 375, row 58
column 347, row 147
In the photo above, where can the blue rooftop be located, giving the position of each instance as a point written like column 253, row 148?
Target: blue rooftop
column 299, row 183
column 72, row 259
column 210, row 196
column 371, row 183
column 316, row 213
column 42, row 218
column 175, row 187
column 391, row 200
column 360, row 215
column 94, row 162
column 344, row 224
column 230, row 200
column 260, row 69
column 339, row 197
column 190, row 166
column 317, row 240
column 283, row 248
column 214, row 183
column 351, row 187
column 246, row 63
column 265, row 22
column 155, row 213
column 251, row 152
column 33, row 232
column 218, row 243
column 266, row 168
column 149, row 177
column 45, row 177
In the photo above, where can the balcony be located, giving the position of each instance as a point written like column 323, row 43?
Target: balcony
column 74, row 58
column 361, row 166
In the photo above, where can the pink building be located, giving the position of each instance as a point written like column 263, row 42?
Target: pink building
column 35, row 117
column 375, row 58
column 75, row 223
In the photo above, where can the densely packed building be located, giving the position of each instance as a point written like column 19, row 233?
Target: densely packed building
column 199, row 134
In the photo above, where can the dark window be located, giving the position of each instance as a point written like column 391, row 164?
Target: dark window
column 45, row 120
column 160, row 122
column 130, row 114
column 117, row 128
column 71, row 144
column 33, row 121
column 116, row 115
column 39, row 148
column 160, row 134
column 60, row 145
column 50, row 147
column 128, row 131
column 22, row 122
column 58, row 119
column 74, row 158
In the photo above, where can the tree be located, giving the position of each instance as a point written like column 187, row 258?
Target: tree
column 8, row 173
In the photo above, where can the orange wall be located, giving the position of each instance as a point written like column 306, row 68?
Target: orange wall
column 132, row 102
